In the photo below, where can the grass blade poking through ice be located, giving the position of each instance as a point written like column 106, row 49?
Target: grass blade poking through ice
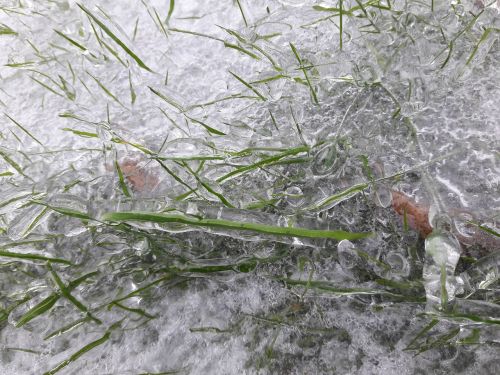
column 248, row 85
column 24, row 130
column 33, row 257
column 170, row 11
column 46, row 304
column 67, row 293
column 123, row 185
column 115, row 38
column 232, row 225
column 301, row 67
column 79, row 353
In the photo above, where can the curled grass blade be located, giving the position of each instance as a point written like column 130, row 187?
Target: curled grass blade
column 232, row 225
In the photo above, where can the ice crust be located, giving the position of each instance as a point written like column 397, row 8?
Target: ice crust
column 393, row 101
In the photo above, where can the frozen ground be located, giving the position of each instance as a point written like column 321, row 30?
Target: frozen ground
column 274, row 114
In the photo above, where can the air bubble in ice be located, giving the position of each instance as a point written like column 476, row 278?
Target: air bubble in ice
column 348, row 257
column 325, row 160
column 294, row 196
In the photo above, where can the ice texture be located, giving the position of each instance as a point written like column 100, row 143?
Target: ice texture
column 285, row 113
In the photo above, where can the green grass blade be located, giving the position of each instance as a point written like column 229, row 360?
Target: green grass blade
column 34, row 257
column 14, row 165
column 232, row 225
column 47, row 87
column 209, row 129
column 248, row 85
column 140, row 312
column 242, row 13
column 115, row 38
column 48, row 302
column 133, row 96
column 38, row 309
column 79, row 353
column 123, row 185
column 67, row 294
column 330, row 201
column 81, row 133
column 73, row 42
column 263, row 162
column 167, row 99
column 301, row 66
column 485, row 35
column 170, row 11
column 67, row 328
column 23, row 129
column 6, row 30
column 105, row 89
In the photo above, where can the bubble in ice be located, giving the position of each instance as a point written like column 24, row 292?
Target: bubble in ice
column 347, row 254
column 294, row 196
column 326, row 160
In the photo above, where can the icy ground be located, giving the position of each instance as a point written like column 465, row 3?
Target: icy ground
column 275, row 114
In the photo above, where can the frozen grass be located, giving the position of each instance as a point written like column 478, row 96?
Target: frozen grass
column 251, row 160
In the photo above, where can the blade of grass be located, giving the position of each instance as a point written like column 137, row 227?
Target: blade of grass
column 330, row 201
column 24, row 129
column 73, row 42
column 34, row 257
column 301, row 67
column 208, row 128
column 115, row 38
column 46, row 87
column 221, row 197
column 133, row 96
column 67, row 294
column 483, row 38
column 48, row 302
column 242, row 13
column 167, row 99
column 6, row 30
column 272, row 159
column 81, row 133
column 232, row 225
column 140, row 312
column 14, row 165
column 79, row 353
column 123, row 185
column 170, row 11
column 248, row 85
column 67, row 328
column 105, row 89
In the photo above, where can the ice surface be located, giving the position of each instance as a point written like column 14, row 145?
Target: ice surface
column 253, row 112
